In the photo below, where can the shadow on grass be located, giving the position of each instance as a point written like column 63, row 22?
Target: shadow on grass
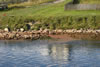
column 12, row 8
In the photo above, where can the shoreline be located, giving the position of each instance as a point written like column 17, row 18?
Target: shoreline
column 55, row 34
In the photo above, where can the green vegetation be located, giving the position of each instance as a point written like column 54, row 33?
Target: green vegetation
column 51, row 16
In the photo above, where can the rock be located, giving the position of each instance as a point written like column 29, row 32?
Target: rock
column 18, row 30
column 26, row 36
column 1, row 35
column 35, row 32
column 86, row 31
column 64, row 31
column 6, row 30
column 36, row 36
column 59, row 31
column 6, row 35
column 89, row 31
column 98, row 31
column 1, row 30
column 70, row 31
column 52, row 32
column 17, row 35
column 79, row 31
column 41, row 30
column 22, row 30
column 11, row 35
column 46, row 31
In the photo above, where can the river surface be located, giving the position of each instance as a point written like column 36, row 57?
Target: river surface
column 48, row 53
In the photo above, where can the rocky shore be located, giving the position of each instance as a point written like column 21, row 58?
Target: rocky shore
column 6, row 34
column 18, row 35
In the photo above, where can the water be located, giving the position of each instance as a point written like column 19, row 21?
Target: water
column 45, row 53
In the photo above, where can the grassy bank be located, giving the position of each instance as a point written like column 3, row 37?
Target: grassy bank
column 51, row 16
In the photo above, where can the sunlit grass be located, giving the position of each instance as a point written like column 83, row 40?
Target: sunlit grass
column 50, row 14
column 47, row 11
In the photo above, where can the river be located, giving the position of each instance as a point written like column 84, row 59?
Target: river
column 48, row 53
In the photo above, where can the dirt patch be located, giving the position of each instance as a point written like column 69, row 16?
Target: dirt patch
column 76, row 36
column 63, row 37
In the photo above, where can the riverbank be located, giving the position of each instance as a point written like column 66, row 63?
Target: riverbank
column 26, row 35
column 71, row 34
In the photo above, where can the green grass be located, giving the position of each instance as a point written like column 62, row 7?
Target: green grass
column 51, row 16
column 47, row 11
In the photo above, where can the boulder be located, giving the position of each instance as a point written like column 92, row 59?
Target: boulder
column 22, row 29
column 6, row 30
column 1, row 35
column 89, row 31
column 52, row 32
column 59, row 31
column 46, row 31
column 98, row 31
column 70, row 31
column 79, row 31
column 18, row 30
column 17, row 35
column 11, row 35
column 26, row 36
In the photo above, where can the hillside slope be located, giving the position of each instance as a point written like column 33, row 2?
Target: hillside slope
column 50, row 16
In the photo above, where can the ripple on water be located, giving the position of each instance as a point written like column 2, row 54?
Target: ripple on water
column 44, row 53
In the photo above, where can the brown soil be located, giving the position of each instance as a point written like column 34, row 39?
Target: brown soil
column 64, row 37
column 76, row 36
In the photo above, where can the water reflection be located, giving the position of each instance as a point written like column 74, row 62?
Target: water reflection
column 59, row 53
column 43, row 53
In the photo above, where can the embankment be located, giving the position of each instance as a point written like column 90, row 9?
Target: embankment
column 56, row 34
column 52, row 23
